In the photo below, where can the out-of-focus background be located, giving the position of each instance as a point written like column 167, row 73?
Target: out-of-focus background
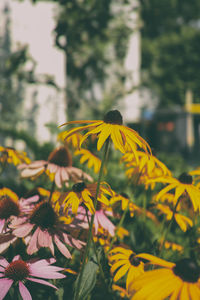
column 67, row 60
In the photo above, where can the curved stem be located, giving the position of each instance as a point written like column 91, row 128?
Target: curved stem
column 76, row 296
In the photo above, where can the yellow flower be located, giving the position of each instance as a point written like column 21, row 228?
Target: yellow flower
column 84, row 193
column 173, row 246
column 122, row 292
column 112, row 127
column 13, row 156
column 183, row 221
column 93, row 160
column 183, row 186
column 175, row 281
column 122, row 232
column 74, row 139
column 147, row 167
column 125, row 261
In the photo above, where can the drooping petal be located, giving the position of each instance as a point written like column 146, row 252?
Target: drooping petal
column 24, row 292
column 42, row 282
column 62, row 248
column 5, row 285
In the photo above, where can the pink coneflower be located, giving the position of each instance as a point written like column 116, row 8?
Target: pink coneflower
column 18, row 271
column 42, row 228
column 11, row 205
column 58, row 167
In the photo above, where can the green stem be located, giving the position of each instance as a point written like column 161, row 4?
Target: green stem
column 164, row 236
column 98, row 260
column 76, row 296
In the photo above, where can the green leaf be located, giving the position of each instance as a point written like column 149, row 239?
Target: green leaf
column 88, row 280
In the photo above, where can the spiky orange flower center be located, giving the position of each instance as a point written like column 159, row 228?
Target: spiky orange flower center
column 187, row 270
column 185, row 178
column 60, row 157
column 44, row 216
column 134, row 261
column 17, row 270
column 8, row 207
column 113, row 117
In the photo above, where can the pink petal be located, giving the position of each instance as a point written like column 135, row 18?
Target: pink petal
column 3, row 262
column 31, row 199
column 58, row 178
column 48, row 272
column 44, row 238
column 23, row 230
column 64, row 174
column 5, row 241
column 2, row 222
column 24, row 292
column 72, row 242
column 30, row 172
column 52, row 168
column 2, row 274
column 42, row 282
column 17, row 257
column 5, row 285
column 32, row 247
column 62, row 247
column 43, row 262
column 96, row 225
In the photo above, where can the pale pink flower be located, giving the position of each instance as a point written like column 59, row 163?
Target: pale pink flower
column 100, row 220
column 42, row 228
column 10, row 207
column 58, row 167
column 18, row 271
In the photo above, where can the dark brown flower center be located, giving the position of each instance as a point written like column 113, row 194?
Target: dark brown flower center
column 17, row 270
column 113, row 117
column 185, row 178
column 135, row 261
column 79, row 187
column 124, row 195
column 8, row 208
column 44, row 216
column 60, row 157
column 187, row 270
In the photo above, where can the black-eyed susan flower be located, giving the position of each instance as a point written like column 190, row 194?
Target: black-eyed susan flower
column 183, row 186
column 84, row 193
column 174, row 281
column 73, row 140
column 12, row 156
column 147, row 167
column 183, row 221
column 58, row 167
column 92, row 160
column 124, row 261
column 111, row 127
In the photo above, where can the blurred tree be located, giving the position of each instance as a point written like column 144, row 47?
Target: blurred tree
column 170, row 48
column 94, row 37
column 11, row 87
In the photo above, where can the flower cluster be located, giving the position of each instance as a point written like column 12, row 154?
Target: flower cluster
column 138, row 236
